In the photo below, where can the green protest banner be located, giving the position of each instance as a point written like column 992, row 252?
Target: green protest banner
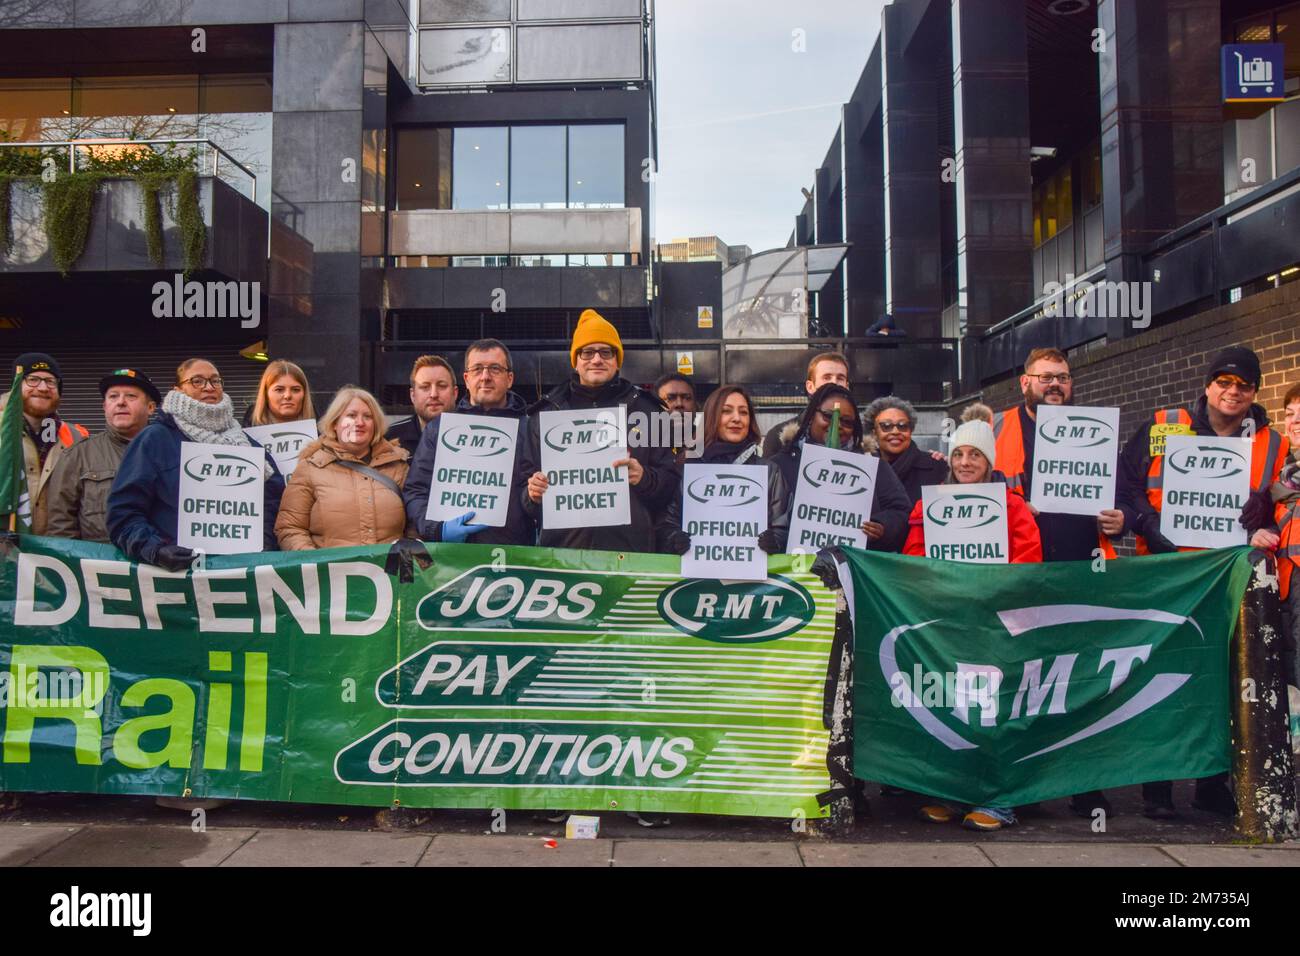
column 1005, row 685
column 494, row 677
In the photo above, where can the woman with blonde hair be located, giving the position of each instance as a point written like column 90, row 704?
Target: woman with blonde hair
column 283, row 395
column 347, row 488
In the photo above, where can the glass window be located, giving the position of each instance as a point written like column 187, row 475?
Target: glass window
column 1287, row 117
column 579, row 53
column 465, row 56
column 537, row 167
column 34, row 109
column 122, row 96
column 596, row 167
column 463, row 11
column 479, row 162
column 578, row 9
column 424, row 168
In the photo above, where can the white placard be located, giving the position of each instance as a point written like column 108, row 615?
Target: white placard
column 220, row 505
column 284, row 441
column 966, row 523
column 1075, row 452
column 832, row 498
column 473, row 468
column 579, row 449
column 724, row 510
column 1206, row 484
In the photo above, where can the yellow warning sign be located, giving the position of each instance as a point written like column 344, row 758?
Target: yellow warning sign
column 686, row 363
column 703, row 318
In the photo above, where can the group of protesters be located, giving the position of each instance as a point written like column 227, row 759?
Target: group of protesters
column 366, row 480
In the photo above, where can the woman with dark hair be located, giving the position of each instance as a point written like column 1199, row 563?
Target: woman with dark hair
column 731, row 437
column 1284, row 535
column 887, row 526
column 283, row 395
column 890, row 422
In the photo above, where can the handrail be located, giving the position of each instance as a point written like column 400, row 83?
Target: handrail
column 113, row 141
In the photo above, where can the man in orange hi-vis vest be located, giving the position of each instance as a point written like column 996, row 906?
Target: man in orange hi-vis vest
column 1047, row 381
column 1227, row 409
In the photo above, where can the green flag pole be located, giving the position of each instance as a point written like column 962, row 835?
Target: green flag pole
column 13, row 473
column 833, row 435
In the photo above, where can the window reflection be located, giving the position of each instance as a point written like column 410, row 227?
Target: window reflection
column 537, row 167
column 480, row 170
column 596, row 167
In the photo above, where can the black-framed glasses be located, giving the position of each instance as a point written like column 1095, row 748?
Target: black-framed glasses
column 589, row 353
column 199, row 382
column 42, row 381
column 888, row 427
column 828, row 416
column 1047, row 378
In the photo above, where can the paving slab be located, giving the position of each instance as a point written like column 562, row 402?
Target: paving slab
column 453, row 849
column 892, row 854
column 145, row 846
column 329, row 848
column 1075, row 854
column 703, row 853
column 1231, row 856
column 21, row 843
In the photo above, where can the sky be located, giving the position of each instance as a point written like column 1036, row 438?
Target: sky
column 744, row 117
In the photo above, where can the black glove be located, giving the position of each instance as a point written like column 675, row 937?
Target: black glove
column 1258, row 512
column 767, row 541
column 679, row 542
column 172, row 557
column 1157, row 543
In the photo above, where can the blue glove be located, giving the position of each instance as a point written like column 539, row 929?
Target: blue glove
column 458, row 530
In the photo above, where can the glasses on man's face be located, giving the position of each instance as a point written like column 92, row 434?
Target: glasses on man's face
column 493, row 370
column 1226, row 382
column 678, row 397
column 590, row 354
column 41, row 381
column 198, row 382
column 888, row 427
column 1047, row 378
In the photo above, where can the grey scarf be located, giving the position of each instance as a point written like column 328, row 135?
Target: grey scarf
column 201, row 422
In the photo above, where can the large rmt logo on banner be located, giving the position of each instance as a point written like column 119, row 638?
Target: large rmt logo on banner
column 724, row 491
column 953, row 701
column 737, row 612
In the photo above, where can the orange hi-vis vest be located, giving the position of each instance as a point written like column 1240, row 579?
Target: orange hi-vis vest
column 1010, row 451
column 1265, row 461
column 1288, row 548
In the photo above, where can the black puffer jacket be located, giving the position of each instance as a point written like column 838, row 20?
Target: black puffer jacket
column 726, row 453
column 519, row 527
column 890, row 505
column 649, row 497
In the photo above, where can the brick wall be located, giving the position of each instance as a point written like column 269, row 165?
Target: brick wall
column 1165, row 367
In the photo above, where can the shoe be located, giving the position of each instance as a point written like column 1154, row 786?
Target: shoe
column 937, row 813
column 560, row 817
column 1159, row 808
column 189, row 804
column 1213, row 796
column 887, row 791
column 647, row 822
column 1086, row 804
column 988, row 818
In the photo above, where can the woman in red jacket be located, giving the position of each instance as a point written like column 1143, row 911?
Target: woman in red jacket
column 971, row 462
column 973, row 447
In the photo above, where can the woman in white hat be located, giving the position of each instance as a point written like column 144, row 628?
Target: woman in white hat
column 971, row 462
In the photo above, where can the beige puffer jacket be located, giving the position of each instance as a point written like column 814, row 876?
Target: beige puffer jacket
column 326, row 505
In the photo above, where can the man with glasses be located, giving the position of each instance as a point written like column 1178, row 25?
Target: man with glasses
column 433, row 391
column 597, row 354
column 1226, row 409
column 45, row 434
column 489, row 375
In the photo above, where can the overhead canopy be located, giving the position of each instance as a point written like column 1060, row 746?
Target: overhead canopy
column 766, row 295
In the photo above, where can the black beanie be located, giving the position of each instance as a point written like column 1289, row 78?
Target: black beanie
column 39, row 362
column 1235, row 360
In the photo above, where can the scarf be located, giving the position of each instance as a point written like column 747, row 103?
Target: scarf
column 731, row 453
column 201, row 422
column 1287, row 485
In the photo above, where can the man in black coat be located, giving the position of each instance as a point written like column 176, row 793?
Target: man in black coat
column 489, row 374
column 597, row 355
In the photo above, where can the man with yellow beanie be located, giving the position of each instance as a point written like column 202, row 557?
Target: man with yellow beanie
column 596, row 355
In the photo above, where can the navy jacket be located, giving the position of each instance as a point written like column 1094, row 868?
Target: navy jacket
column 142, row 505
column 519, row 527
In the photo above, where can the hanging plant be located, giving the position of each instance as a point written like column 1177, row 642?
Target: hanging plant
column 15, row 164
column 150, row 186
column 69, row 204
column 189, row 218
column 6, row 234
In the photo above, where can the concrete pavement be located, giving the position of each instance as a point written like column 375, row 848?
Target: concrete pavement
column 150, row 844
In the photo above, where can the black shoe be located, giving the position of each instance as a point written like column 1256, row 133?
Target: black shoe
column 1215, row 797
column 1087, row 804
column 887, row 791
